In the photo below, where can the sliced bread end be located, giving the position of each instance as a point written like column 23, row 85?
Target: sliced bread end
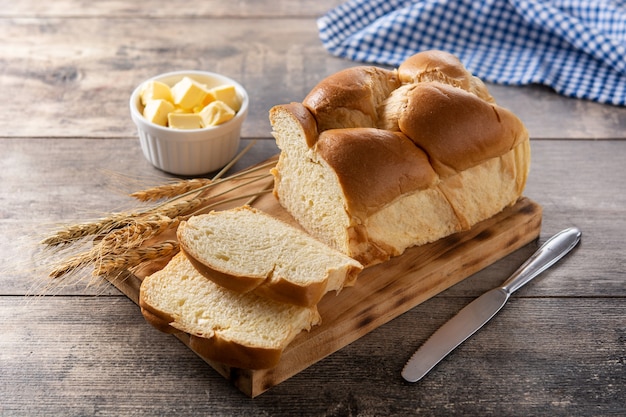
column 239, row 330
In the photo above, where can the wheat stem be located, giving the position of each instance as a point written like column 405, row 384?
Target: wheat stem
column 181, row 187
column 72, row 264
column 170, row 190
column 234, row 160
column 218, row 181
column 210, row 207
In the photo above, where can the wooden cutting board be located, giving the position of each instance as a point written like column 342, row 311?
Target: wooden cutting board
column 382, row 292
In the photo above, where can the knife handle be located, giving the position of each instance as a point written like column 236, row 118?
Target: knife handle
column 549, row 253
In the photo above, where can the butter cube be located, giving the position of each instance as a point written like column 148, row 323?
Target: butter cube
column 185, row 120
column 227, row 94
column 156, row 111
column 155, row 90
column 188, row 93
column 217, row 112
column 181, row 110
column 208, row 99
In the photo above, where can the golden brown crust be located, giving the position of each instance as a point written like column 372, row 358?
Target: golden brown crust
column 234, row 354
column 350, row 98
column 223, row 279
column 444, row 68
column 214, row 347
column 374, row 166
column 301, row 115
column 288, row 292
column 434, row 66
column 457, row 129
column 277, row 289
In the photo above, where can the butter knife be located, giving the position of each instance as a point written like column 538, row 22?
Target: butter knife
column 472, row 317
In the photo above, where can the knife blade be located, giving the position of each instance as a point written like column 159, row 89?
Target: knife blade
column 476, row 314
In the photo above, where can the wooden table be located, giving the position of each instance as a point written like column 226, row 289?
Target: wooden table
column 69, row 151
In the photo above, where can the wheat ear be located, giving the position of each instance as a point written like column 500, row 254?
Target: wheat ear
column 132, row 257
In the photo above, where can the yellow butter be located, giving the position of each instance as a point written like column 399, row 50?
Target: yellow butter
column 156, row 111
column 185, row 121
column 181, row 110
column 216, row 113
column 227, row 94
column 188, row 93
column 188, row 104
column 208, row 99
column 155, row 90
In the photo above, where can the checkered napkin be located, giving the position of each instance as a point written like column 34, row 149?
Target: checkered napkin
column 577, row 47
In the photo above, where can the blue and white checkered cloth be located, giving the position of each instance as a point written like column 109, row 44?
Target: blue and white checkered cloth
column 577, row 47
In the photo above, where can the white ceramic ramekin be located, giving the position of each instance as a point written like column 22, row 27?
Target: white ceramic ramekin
column 195, row 151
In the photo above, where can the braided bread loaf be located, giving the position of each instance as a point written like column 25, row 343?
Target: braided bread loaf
column 374, row 161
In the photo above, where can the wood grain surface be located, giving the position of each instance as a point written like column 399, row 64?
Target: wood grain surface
column 69, row 152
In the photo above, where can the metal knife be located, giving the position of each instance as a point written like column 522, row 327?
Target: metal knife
column 472, row 317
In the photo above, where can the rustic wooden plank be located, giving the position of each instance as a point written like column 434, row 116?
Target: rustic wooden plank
column 512, row 357
column 168, row 8
column 548, row 115
column 80, row 73
column 96, row 355
column 79, row 360
column 72, row 180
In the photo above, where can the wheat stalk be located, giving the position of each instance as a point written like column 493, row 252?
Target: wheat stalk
column 133, row 256
column 120, row 240
column 170, row 190
column 137, row 233
column 121, row 246
column 72, row 264
column 216, row 181
column 170, row 208
column 115, row 243
column 185, row 186
column 78, row 231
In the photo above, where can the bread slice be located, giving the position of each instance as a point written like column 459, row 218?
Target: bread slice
column 245, row 249
column 240, row 330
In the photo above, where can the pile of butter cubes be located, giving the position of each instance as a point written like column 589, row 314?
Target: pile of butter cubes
column 188, row 104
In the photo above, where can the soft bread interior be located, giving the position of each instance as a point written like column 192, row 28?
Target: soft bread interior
column 306, row 184
column 223, row 320
column 246, row 249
